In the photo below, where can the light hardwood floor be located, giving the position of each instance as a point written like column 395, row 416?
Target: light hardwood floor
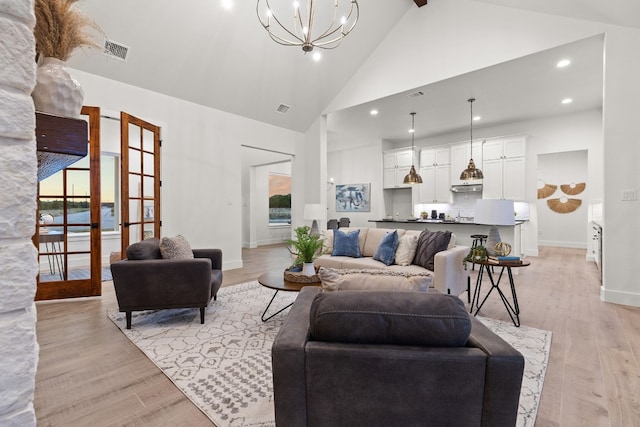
column 91, row 375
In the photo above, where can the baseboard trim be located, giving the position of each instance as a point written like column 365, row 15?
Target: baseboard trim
column 619, row 297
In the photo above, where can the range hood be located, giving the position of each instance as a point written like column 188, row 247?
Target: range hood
column 467, row 188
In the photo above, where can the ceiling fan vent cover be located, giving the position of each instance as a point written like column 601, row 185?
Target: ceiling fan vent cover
column 115, row 50
column 283, row 108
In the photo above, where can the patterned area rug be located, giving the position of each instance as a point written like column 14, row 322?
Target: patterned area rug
column 224, row 366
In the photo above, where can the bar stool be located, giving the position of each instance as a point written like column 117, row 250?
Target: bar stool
column 478, row 240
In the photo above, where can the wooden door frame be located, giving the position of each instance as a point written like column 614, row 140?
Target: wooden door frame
column 125, row 120
column 92, row 286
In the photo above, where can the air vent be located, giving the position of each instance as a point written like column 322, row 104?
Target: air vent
column 416, row 94
column 115, row 50
column 282, row 109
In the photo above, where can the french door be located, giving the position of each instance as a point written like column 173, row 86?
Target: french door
column 140, row 180
column 68, row 233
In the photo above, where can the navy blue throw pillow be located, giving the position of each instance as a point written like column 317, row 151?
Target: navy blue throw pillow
column 386, row 251
column 346, row 244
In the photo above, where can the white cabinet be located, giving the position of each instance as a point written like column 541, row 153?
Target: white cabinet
column 435, row 170
column 504, row 168
column 460, row 155
column 396, row 165
column 435, row 156
column 436, row 184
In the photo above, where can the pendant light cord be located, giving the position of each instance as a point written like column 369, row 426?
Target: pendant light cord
column 471, row 100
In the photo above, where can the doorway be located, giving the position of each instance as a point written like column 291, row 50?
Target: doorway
column 563, row 199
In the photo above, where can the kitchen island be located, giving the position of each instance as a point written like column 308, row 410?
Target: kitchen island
column 511, row 234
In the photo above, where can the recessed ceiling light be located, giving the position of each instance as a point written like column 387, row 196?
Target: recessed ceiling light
column 412, row 130
column 563, row 63
column 373, row 112
column 567, row 101
column 476, row 118
column 317, row 56
column 227, row 4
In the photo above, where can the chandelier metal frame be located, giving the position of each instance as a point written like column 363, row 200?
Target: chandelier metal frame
column 302, row 30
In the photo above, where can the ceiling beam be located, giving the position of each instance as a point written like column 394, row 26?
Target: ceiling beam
column 420, row 3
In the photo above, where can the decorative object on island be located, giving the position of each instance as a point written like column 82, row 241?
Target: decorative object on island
column 353, row 198
column 494, row 212
column 471, row 172
column 60, row 29
column 305, row 248
column 412, row 177
column 314, row 212
column 424, row 215
column 311, row 27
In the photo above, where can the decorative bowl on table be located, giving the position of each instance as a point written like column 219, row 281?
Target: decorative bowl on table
column 297, row 276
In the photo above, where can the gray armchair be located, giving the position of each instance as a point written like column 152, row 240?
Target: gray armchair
column 145, row 281
column 390, row 358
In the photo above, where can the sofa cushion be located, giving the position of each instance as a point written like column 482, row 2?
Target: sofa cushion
column 374, row 237
column 429, row 244
column 146, row 249
column 388, row 317
column 346, row 244
column 175, row 248
column 406, row 249
column 334, row 279
column 386, row 251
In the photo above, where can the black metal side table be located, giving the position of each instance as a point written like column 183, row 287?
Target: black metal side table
column 513, row 309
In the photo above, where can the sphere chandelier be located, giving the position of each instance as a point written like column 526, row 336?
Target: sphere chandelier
column 309, row 23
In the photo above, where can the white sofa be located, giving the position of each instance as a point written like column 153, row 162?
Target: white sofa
column 449, row 277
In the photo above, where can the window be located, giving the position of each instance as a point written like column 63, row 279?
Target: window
column 77, row 192
column 279, row 199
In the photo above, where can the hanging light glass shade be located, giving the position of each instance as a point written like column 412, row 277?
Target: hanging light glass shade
column 471, row 172
column 412, row 177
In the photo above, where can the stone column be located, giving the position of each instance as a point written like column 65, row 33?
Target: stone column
column 18, row 256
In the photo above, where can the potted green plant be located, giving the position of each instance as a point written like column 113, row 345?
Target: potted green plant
column 424, row 215
column 305, row 247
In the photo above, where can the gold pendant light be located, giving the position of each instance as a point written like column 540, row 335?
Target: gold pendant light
column 471, row 172
column 412, row 177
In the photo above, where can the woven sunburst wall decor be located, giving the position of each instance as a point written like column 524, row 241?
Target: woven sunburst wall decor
column 564, row 205
column 545, row 190
column 573, row 188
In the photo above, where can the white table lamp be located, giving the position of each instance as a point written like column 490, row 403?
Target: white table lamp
column 314, row 212
column 494, row 212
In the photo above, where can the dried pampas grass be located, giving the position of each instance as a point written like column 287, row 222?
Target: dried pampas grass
column 61, row 28
column 564, row 205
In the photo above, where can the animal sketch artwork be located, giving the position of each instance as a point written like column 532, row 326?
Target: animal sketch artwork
column 353, row 198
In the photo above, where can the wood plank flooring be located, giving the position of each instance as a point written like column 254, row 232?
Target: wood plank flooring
column 91, row 375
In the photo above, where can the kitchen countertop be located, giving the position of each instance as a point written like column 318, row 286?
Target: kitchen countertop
column 432, row 221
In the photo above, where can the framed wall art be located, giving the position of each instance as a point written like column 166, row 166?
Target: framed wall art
column 353, row 197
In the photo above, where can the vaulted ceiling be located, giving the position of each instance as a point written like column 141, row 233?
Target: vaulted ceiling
column 205, row 53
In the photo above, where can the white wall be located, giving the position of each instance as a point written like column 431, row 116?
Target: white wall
column 200, row 160
column 356, row 165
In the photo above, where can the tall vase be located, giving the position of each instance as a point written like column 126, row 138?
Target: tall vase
column 56, row 91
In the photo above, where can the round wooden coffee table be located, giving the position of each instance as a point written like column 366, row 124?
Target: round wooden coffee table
column 275, row 280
